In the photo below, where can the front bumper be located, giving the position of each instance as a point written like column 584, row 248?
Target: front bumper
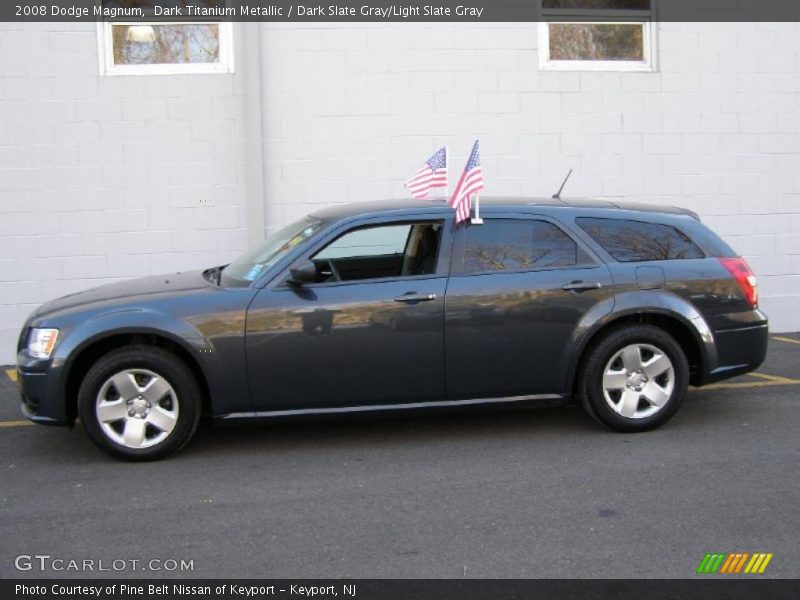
column 41, row 395
column 28, row 413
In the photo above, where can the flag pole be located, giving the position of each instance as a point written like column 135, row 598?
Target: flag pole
column 476, row 220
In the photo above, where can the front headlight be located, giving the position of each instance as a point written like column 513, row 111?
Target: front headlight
column 41, row 342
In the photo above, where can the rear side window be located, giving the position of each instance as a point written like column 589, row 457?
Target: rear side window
column 513, row 244
column 631, row 241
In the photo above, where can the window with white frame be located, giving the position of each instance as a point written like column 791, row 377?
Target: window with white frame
column 165, row 47
column 597, row 35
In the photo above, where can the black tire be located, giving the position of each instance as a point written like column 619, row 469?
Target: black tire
column 590, row 383
column 166, row 366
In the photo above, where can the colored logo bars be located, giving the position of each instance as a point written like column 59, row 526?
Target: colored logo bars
column 736, row 563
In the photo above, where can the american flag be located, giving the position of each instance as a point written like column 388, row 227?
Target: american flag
column 469, row 185
column 433, row 174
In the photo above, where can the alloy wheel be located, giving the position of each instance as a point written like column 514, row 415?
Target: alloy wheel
column 638, row 381
column 137, row 408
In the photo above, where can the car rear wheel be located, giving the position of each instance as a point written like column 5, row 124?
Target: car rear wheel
column 139, row 403
column 634, row 379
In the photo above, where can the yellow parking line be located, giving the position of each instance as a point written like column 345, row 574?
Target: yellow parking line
column 12, row 374
column 775, row 378
column 9, row 424
column 768, row 381
column 746, row 384
column 785, row 339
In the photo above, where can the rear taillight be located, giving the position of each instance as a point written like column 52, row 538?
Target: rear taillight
column 740, row 270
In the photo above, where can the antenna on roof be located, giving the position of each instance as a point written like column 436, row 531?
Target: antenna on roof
column 557, row 195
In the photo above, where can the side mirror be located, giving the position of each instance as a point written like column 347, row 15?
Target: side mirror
column 302, row 273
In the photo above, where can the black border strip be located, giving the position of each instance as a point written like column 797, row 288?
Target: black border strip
column 354, row 11
column 733, row 588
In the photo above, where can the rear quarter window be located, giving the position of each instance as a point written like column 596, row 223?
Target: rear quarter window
column 633, row 241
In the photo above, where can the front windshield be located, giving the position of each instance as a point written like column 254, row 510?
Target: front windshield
column 252, row 264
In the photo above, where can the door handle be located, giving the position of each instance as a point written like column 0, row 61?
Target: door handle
column 415, row 297
column 581, row 286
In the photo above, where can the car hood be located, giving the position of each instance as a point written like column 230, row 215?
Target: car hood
column 124, row 292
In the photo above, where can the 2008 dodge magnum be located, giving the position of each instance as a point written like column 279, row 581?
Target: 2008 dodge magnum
column 389, row 306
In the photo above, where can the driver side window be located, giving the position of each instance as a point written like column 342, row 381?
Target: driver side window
column 373, row 252
column 369, row 241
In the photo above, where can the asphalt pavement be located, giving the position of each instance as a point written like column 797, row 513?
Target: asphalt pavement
column 535, row 493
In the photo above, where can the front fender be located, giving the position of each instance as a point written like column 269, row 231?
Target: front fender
column 216, row 345
column 101, row 326
column 132, row 320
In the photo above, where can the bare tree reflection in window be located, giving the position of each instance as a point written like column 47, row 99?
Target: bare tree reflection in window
column 596, row 41
column 169, row 44
column 507, row 245
column 601, row 31
column 631, row 241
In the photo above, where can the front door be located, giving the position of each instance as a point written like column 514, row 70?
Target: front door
column 370, row 330
column 518, row 290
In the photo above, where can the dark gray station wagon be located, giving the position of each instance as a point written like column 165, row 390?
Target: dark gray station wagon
column 390, row 306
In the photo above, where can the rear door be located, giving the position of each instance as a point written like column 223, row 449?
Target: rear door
column 519, row 287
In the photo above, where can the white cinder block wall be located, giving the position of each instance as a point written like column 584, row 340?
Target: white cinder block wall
column 103, row 178
column 351, row 111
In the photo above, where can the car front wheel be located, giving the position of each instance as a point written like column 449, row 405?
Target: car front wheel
column 634, row 379
column 139, row 403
